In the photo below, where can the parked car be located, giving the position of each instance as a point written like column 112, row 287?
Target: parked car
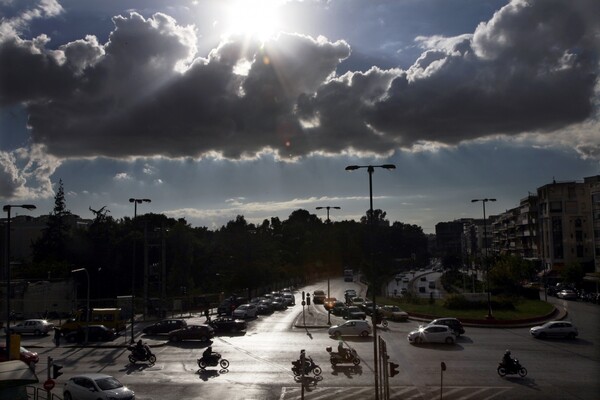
column 25, row 355
column 567, row 294
column 432, row 334
column 264, row 307
column 228, row 305
column 278, row 304
column 35, row 326
column 393, row 313
column 357, row 301
column 351, row 327
column 367, row 307
column 245, row 311
column 354, row 312
column 201, row 332
column 96, row 387
column 227, row 324
column 455, row 325
column 96, row 333
column 164, row 326
column 289, row 298
column 319, row 297
column 555, row 329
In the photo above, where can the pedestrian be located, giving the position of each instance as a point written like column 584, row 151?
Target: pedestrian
column 207, row 314
column 57, row 336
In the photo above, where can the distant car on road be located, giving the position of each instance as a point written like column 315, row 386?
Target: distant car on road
column 228, row 324
column 354, row 312
column 96, row 333
column 455, row 325
column 393, row 313
column 567, row 294
column 339, row 308
column 432, row 334
column 96, row 387
column 319, row 296
column 201, row 332
column 34, row 326
column 351, row 327
column 164, row 326
column 555, row 329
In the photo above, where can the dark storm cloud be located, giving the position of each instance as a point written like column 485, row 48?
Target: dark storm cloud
column 532, row 68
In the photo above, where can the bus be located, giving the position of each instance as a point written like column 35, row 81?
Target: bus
column 348, row 275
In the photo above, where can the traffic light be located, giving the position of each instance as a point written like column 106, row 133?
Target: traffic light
column 308, row 299
column 393, row 369
column 56, row 371
column 303, row 295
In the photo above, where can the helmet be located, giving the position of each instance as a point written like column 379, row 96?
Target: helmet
column 507, row 352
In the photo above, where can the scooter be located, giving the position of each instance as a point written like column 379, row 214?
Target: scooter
column 135, row 356
column 347, row 357
column 515, row 368
column 212, row 361
column 309, row 366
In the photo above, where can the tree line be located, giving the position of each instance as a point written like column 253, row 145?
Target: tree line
column 239, row 255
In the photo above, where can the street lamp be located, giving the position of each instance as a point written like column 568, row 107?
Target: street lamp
column 370, row 170
column 87, row 310
column 487, row 264
column 135, row 203
column 7, row 208
column 328, row 275
column 328, row 207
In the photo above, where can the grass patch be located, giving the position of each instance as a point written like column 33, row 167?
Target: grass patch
column 523, row 309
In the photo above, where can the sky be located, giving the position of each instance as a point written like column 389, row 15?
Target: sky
column 214, row 109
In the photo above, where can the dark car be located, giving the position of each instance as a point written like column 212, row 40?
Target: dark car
column 353, row 312
column 202, row 333
column 454, row 324
column 264, row 307
column 339, row 308
column 228, row 324
column 97, row 333
column 164, row 326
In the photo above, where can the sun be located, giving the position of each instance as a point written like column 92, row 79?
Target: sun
column 253, row 18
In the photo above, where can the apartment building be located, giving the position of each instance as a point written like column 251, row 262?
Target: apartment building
column 594, row 184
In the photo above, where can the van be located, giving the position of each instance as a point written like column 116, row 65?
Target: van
column 109, row 317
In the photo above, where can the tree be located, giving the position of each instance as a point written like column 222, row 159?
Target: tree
column 573, row 273
column 52, row 245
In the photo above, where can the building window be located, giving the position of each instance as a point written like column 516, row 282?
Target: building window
column 555, row 206
column 580, row 251
column 578, row 223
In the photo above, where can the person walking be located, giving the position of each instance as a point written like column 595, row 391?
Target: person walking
column 57, row 336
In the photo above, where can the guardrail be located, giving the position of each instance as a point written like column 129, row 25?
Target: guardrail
column 38, row 393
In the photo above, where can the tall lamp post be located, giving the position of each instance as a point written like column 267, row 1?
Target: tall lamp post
column 328, row 286
column 135, row 203
column 7, row 208
column 487, row 264
column 370, row 170
column 87, row 310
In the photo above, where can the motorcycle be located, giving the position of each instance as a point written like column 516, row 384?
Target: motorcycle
column 212, row 361
column 309, row 366
column 136, row 356
column 381, row 321
column 515, row 368
column 347, row 357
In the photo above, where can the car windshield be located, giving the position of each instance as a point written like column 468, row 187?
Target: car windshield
column 108, row 383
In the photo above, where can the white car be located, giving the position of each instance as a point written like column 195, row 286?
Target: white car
column 553, row 329
column 245, row 311
column 432, row 334
column 35, row 326
column 351, row 327
column 96, row 387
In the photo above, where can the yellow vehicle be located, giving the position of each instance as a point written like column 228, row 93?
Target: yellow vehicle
column 109, row 317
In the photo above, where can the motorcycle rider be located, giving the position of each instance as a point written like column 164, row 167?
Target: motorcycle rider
column 507, row 360
column 208, row 354
column 341, row 350
column 139, row 350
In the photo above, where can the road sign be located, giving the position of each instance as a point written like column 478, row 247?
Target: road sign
column 49, row 384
